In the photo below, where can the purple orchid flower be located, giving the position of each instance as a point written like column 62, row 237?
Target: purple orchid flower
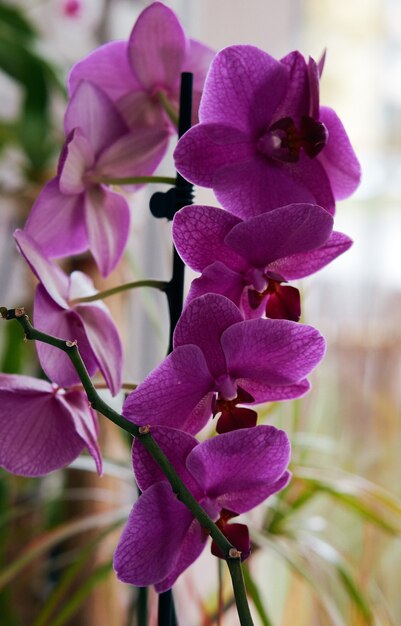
column 74, row 212
column 228, row 475
column 221, row 360
column 56, row 314
column 263, row 141
column 43, row 427
column 247, row 261
column 137, row 73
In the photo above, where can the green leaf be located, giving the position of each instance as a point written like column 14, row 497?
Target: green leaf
column 71, row 606
column 46, row 541
column 12, row 19
column 370, row 501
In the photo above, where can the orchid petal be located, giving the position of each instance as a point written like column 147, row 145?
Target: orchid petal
column 296, row 96
column 262, row 392
column 107, row 221
column 108, row 68
column 93, row 112
column 56, row 222
column 248, row 466
column 307, row 263
column 53, row 320
column 222, row 145
column 105, row 342
column 202, row 323
column 76, row 159
column 85, row 422
column 152, row 538
column 157, row 47
column 279, row 233
column 38, row 432
column 176, row 445
column 169, row 393
column 338, row 157
column 52, row 277
column 275, row 352
column 217, row 278
column 141, row 111
column 198, row 234
column 197, row 61
column 243, row 88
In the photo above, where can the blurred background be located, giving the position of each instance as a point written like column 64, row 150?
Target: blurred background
column 327, row 550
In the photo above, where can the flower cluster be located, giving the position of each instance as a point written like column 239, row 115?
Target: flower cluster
column 277, row 161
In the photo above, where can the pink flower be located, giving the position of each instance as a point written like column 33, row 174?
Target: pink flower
column 228, row 475
column 55, row 314
column 43, row 427
column 263, row 141
column 248, row 261
column 221, row 360
column 135, row 73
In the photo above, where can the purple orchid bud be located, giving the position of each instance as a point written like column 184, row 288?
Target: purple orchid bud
column 221, row 360
column 247, row 261
column 43, row 427
column 228, row 475
column 135, row 73
column 263, row 141
column 56, row 314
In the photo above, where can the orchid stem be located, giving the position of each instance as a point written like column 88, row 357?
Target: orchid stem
column 156, row 284
column 134, row 180
column 168, row 107
column 143, row 434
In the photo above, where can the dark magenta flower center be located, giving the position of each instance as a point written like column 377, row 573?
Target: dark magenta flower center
column 237, row 534
column 232, row 416
column 283, row 302
column 283, row 140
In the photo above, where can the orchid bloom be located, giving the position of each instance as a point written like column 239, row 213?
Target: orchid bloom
column 221, row 360
column 263, row 141
column 56, row 314
column 43, row 427
column 228, row 475
column 75, row 211
column 141, row 73
column 248, row 261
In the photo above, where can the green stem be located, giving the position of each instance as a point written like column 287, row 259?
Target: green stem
column 156, row 284
column 133, row 180
column 168, row 107
column 142, row 433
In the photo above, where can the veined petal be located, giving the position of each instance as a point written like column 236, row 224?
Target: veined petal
column 202, row 323
column 108, row 68
column 52, row 277
column 152, row 538
column 77, row 157
column 206, row 148
column 218, row 278
column 157, row 47
column 263, row 392
column 85, row 422
column 280, row 233
column 176, row 445
column 108, row 219
column 248, row 466
column 169, row 393
column 134, row 154
column 275, row 352
column 338, row 157
column 192, row 546
column 307, row 263
column 104, row 340
column 53, row 320
column 56, row 222
column 296, row 100
column 93, row 112
column 243, row 88
column 38, row 434
column 198, row 234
